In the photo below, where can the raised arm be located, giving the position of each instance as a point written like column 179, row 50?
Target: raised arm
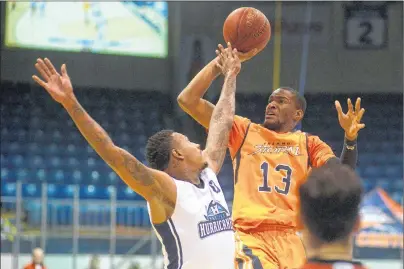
column 155, row 186
column 321, row 153
column 351, row 123
column 191, row 98
column 222, row 116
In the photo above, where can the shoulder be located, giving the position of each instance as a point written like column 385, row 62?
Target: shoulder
column 208, row 173
column 239, row 120
column 313, row 139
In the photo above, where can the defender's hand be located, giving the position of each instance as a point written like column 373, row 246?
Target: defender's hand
column 228, row 60
column 350, row 121
column 58, row 86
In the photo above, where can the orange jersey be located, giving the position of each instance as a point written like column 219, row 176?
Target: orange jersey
column 268, row 169
column 320, row 264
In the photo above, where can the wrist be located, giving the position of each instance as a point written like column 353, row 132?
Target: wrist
column 350, row 143
column 349, row 138
column 69, row 101
column 230, row 75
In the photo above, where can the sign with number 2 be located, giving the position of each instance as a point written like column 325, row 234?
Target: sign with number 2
column 365, row 26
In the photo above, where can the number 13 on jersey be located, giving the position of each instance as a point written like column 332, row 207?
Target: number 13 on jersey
column 286, row 180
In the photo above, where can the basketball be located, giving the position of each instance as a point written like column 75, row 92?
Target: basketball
column 247, row 28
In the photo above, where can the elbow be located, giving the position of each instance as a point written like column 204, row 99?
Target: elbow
column 181, row 100
column 185, row 101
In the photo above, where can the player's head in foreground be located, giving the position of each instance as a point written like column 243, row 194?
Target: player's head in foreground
column 37, row 256
column 174, row 154
column 329, row 210
column 285, row 109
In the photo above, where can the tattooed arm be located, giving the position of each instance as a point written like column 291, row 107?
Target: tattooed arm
column 155, row 186
column 223, row 113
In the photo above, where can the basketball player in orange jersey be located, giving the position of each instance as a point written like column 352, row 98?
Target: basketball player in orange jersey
column 270, row 161
column 329, row 211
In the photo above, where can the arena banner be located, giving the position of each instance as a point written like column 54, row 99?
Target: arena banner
column 381, row 233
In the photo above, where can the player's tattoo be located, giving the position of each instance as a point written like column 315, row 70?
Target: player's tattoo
column 221, row 123
column 139, row 172
column 103, row 145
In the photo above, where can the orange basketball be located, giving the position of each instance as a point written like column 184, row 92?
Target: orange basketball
column 247, row 28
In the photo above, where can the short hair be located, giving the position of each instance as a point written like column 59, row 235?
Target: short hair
column 300, row 100
column 330, row 201
column 158, row 149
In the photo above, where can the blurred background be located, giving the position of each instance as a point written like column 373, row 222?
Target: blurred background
column 128, row 62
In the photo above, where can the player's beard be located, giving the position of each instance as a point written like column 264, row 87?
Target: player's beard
column 273, row 126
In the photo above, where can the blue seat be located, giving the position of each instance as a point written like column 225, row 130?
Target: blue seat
column 31, row 190
column 89, row 192
column 126, row 193
column 76, row 176
column 112, row 178
column 53, row 190
column 8, row 189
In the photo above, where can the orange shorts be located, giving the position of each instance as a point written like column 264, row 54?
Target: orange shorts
column 270, row 249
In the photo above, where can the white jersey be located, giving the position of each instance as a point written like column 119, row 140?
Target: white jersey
column 199, row 234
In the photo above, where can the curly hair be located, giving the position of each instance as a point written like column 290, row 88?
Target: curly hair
column 158, row 149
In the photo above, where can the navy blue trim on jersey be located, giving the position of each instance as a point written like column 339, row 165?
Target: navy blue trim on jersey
column 171, row 243
column 256, row 263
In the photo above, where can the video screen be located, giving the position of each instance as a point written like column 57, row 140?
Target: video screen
column 126, row 28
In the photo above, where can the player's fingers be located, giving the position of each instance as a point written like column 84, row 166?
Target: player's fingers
column 229, row 46
column 221, row 48
column 350, row 107
column 358, row 104
column 361, row 126
column 360, row 114
column 235, row 53
column 42, row 72
column 50, row 66
column 338, row 107
column 64, row 70
column 44, row 67
column 218, row 65
column 229, row 50
column 39, row 81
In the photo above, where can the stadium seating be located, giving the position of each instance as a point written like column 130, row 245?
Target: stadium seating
column 39, row 143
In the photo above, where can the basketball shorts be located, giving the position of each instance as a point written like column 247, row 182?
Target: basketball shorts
column 270, row 249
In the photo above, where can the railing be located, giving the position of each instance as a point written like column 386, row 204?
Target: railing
column 74, row 225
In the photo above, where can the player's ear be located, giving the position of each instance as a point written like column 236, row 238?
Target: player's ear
column 177, row 154
column 357, row 225
column 299, row 115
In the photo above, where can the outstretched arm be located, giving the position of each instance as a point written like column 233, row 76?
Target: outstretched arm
column 191, row 98
column 153, row 185
column 351, row 123
column 320, row 153
column 222, row 117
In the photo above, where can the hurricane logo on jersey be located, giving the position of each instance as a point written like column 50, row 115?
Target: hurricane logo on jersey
column 217, row 220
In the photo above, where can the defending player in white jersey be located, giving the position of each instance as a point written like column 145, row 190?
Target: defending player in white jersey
column 187, row 206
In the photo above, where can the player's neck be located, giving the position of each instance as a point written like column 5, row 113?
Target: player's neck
column 336, row 251
column 281, row 129
column 185, row 175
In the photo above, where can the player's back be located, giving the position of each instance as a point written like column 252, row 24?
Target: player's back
column 268, row 169
column 199, row 234
column 332, row 264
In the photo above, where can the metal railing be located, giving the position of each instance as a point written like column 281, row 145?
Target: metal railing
column 43, row 220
